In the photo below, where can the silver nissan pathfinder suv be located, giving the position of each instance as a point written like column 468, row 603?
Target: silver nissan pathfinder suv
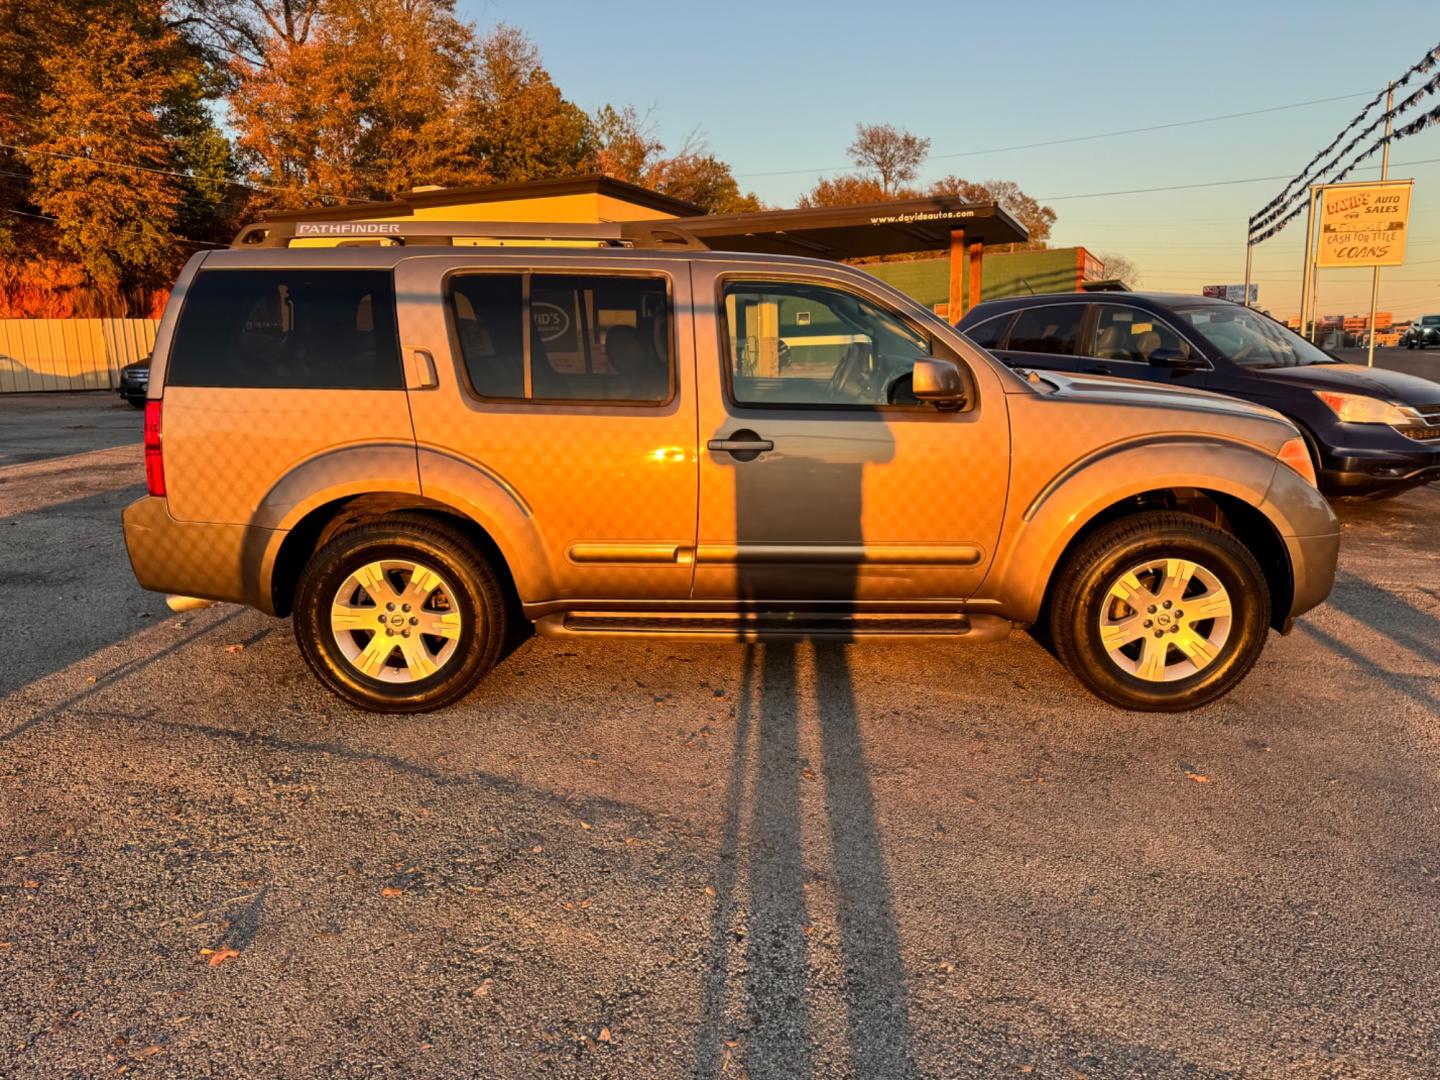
column 410, row 445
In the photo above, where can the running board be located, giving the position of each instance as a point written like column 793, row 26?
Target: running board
column 770, row 626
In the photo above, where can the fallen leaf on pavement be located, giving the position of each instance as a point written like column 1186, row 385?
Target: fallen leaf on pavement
column 31, row 883
column 1199, row 778
column 238, row 646
column 604, row 1034
column 219, row 956
column 709, row 890
column 484, row 988
column 392, row 890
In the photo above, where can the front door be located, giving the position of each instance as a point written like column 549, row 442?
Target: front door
column 1129, row 342
column 817, row 481
column 566, row 403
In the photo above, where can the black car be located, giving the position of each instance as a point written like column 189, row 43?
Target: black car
column 1422, row 333
column 1370, row 431
column 135, row 382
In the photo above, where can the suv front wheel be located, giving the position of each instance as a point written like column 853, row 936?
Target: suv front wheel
column 399, row 615
column 1160, row 611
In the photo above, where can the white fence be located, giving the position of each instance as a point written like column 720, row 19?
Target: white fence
column 70, row 354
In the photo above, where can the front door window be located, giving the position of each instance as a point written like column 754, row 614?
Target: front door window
column 794, row 344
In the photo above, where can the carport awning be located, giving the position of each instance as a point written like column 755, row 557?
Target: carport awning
column 853, row 232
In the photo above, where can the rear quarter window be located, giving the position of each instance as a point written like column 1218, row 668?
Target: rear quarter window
column 991, row 332
column 292, row 329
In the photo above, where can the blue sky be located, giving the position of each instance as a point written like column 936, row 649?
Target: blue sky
column 777, row 88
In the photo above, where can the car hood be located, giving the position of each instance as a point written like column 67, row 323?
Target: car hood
column 1393, row 386
column 1108, row 390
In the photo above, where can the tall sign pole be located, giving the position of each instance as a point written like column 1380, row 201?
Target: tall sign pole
column 1305, row 270
column 1249, row 250
column 1384, row 175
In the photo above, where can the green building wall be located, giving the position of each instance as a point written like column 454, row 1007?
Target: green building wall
column 1017, row 273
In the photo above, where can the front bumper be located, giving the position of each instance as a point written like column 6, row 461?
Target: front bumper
column 1363, row 472
column 201, row 559
column 1312, row 566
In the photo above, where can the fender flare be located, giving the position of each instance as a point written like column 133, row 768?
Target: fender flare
column 1031, row 548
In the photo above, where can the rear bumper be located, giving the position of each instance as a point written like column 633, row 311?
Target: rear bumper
column 201, row 559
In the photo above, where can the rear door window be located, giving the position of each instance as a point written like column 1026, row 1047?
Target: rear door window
column 1052, row 329
column 565, row 337
column 292, row 329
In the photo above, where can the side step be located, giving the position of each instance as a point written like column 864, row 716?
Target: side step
column 771, row 626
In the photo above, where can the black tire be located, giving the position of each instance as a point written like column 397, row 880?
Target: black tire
column 428, row 543
column 1090, row 571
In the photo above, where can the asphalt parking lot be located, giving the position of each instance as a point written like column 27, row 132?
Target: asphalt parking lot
column 632, row 859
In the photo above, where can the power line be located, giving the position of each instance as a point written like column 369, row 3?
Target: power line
column 1083, row 138
column 1212, row 183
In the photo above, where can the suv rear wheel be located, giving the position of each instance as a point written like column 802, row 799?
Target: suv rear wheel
column 1160, row 611
column 399, row 615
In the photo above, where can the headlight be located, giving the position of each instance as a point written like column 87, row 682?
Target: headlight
column 1359, row 409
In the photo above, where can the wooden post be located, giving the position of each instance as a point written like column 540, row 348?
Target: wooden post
column 957, row 275
column 976, row 252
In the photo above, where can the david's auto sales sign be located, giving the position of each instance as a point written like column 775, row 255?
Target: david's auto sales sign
column 1364, row 224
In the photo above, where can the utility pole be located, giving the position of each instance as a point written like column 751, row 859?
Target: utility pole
column 1384, row 175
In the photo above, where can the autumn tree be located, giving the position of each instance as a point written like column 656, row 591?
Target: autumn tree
column 253, row 33
column 626, row 147
column 1037, row 219
column 1119, row 268
column 849, row 189
column 101, row 164
column 892, row 154
column 522, row 127
column 365, row 101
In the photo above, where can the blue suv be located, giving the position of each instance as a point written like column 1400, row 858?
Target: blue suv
column 1370, row 431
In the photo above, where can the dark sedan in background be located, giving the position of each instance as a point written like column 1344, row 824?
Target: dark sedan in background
column 135, row 382
column 1371, row 431
column 1422, row 333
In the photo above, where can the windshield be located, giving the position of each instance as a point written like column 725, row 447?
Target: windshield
column 1250, row 339
column 1430, row 320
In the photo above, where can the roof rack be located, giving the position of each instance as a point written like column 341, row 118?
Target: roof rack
column 636, row 234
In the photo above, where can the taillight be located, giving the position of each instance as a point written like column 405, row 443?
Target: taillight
column 154, row 460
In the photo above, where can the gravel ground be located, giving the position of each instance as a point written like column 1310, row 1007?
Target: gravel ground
column 632, row 859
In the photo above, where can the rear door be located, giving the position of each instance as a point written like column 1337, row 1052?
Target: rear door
column 566, row 391
column 1047, row 336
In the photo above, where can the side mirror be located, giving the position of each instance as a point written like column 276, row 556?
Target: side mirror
column 1173, row 358
column 938, row 382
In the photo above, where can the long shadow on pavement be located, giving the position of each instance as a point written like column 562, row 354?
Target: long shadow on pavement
column 777, row 1041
